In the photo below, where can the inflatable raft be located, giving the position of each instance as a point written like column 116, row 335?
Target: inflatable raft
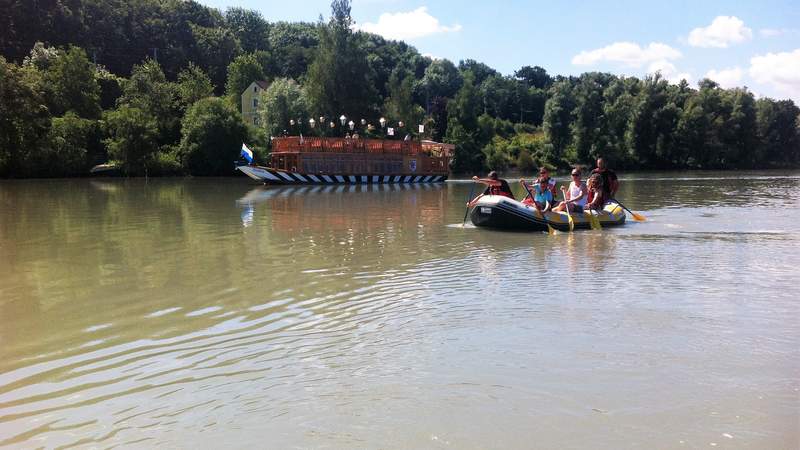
column 499, row 212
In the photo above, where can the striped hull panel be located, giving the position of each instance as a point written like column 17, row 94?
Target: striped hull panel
column 272, row 176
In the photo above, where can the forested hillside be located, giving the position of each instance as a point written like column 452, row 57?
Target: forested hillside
column 154, row 85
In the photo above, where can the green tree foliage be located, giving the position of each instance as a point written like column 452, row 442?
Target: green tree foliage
column 244, row 70
column 41, row 57
column 133, row 139
column 249, row 28
column 292, row 47
column 652, row 123
column 24, row 121
column 558, row 116
column 340, row 80
column 283, row 101
column 463, row 129
column 73, row 144
column 193, row 85
column 385, row 57
column 587, row 113
column 213, row 133
column 778, row 124
column 618, row 104
column 534, row 77
column 740, row 129
column 149, row 92
column 110, row 87
column 400, row 104
column 72, row 85
column 216, row 48
column 441, row 79
column 479, row 70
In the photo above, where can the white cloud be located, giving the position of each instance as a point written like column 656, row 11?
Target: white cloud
column 727, row 78
column 668, row 71
column 723, row 31
column 408, row 25
column 628, row 53
column 774, row 32
column 781, row 71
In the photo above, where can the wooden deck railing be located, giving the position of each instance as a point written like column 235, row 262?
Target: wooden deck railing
column 295, row 144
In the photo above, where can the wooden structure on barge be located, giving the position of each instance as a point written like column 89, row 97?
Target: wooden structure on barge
column 311, row 160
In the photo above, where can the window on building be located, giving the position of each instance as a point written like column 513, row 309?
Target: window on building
column 255, row 88
column 255, row 120
column 255, row 103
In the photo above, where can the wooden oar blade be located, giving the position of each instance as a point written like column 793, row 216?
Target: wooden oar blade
column 638, row 217
column 571, row 222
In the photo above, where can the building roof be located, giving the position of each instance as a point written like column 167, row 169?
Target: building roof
column 262, row 84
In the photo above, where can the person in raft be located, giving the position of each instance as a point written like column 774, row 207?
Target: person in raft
column 542, row 195
column 610, row 181
column 495, row 185
column 575, row 197
column 597, row 194
column 551, row 182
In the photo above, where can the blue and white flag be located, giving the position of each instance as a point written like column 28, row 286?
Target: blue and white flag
column 247, row 153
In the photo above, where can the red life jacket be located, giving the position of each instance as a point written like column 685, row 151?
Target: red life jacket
column 497, row 190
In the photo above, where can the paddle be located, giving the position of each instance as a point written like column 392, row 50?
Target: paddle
column 550, row 230
column 594, row 222
column 636, row 217
column 471, row 191
column 569, row 216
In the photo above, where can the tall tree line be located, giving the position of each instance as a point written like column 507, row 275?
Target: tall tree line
column 155, row 85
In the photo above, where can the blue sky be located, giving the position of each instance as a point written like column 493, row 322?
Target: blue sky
column 746, row 43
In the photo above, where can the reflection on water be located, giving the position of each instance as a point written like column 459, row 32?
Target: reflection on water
column 210, row 312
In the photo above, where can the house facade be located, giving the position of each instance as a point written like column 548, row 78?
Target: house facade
column 251, row 102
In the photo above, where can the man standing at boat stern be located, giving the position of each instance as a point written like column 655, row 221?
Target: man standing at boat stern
column 610, row 181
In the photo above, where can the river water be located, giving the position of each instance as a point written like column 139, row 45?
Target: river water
column 216, row 313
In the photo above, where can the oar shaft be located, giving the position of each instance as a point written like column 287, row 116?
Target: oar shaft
column 469, row 199
column 637, row 217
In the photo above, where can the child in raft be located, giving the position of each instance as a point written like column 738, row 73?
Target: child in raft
column 597, row 195
column 542, row 199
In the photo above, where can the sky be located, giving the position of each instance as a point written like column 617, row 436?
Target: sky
column 744, row 43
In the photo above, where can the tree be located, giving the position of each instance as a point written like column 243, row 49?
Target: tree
column 480, row 71
column 72, row 85
column 558, row 118
column 249, row 27
column 73, row 143
column 778, row 131
column 463, row 129
column 651, row 122
column 244, row 70
column 41, row 57
column 340, row 80
column 499, row 97
column 133, row 139
column 441, row 79
column 24, row 121
column 193, row 85
column 534, row 77
column 216, row 49
column 283, row 101
column 740, row 129
column 400, row 104
column 292, row 47
column 213, row 132
column 150, row 93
